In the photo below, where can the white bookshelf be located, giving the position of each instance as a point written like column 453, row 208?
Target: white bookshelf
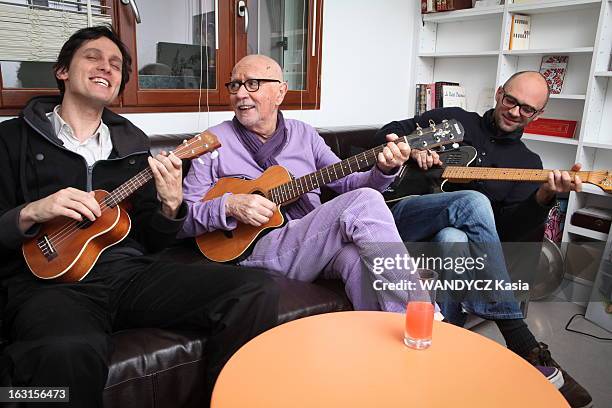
column 543, row 51
column 471, row 47
column 550, row 139
column 587, row 233
column 569, row 96
column 552, row 6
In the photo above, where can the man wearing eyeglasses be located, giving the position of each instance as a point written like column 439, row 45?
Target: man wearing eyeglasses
column 485, row 211
column 318, row 239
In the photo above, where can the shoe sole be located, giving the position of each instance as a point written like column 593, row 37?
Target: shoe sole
column 556, row 379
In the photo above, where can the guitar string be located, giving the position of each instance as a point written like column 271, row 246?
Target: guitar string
column 67, row 229
column 118, row 194
column 115, row 198
column 460, row 172
column 294, row 185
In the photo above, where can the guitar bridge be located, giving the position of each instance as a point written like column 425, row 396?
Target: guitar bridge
column 47, row 248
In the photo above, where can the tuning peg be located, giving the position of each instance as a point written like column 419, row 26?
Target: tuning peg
column 432, row 124
column 419, row 130
column 455, row 145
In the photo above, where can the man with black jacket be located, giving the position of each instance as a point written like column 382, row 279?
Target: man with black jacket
column 51, row 158
column 485, row 211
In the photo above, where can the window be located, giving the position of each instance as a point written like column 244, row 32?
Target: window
column 31, row 35
column 183, row 50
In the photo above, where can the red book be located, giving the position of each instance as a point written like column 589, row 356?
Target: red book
column 552, row 127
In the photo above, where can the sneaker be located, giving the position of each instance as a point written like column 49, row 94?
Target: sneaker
column 573, row 392
column 553, row 375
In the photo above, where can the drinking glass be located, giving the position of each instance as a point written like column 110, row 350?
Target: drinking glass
column 420, row 310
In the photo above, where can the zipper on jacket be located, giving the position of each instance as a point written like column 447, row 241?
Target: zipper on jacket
column 89, row 178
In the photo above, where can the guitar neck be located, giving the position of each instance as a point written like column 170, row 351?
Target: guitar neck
column 502, row 174
column 293, row 189
column 189, row 149
column 129, row 187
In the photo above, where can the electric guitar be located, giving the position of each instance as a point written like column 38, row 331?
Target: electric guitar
column 455, row 170
column 277, row 185
column 65, row 250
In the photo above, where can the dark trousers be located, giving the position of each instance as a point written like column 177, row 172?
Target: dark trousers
column 59, row 334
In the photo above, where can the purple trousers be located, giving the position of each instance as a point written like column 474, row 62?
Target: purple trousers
column 333, row 240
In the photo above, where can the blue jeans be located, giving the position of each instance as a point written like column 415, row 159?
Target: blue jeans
column 461, row 217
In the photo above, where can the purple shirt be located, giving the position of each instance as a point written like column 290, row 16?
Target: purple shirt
column 304, row 153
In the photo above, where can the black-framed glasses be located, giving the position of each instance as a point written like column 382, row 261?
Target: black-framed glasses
column 251, row 85
column 511, row 102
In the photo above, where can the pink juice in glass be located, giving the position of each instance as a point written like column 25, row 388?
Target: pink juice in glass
column 419, row 324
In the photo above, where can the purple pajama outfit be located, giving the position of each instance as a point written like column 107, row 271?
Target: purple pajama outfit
column 329, row 240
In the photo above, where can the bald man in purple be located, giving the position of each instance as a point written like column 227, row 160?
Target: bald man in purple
column 328, row 239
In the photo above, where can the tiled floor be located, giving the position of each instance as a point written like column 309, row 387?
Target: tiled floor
column 587, row 359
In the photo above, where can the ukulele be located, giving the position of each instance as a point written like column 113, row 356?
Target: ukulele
column 65, row 250
column 277, row 185
column 455, row 170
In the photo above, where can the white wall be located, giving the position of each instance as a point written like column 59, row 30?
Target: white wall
column 367, row 61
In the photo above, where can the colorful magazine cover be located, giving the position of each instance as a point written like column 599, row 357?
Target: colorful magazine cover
column 553, row 68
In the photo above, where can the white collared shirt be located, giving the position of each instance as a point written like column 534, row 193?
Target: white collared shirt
column 97, row 147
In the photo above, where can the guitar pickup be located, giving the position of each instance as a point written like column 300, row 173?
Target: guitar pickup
column 47, row 248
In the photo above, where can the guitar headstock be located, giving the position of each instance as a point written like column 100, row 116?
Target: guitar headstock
column 436, row 135
column 198, row 145
column 602, row 179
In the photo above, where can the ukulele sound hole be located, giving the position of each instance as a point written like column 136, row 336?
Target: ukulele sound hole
column 86, row 223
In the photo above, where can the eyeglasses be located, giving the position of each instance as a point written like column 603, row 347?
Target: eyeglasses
column 525, row 110
column 251, row 85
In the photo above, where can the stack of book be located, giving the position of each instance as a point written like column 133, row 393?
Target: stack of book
column 439, row 95
column 432, row 6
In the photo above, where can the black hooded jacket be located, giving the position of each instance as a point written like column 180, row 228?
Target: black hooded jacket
column 516, row 210
column 34, row 164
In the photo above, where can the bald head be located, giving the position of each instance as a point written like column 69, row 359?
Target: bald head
column 261, row 64
column 532, row 80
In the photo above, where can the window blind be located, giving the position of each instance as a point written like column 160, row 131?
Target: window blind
column 36, row 32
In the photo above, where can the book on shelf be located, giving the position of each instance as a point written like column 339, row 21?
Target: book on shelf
column 456, row 4
column 431, row 96
column 432, row 6
column 552, row 127
column 439, row 93
column 428, row 6
column 486, row 3
column 553, row 68
column 520, row 26
column 453, row 96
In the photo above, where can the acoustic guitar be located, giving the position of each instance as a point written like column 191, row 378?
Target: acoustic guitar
column 65, row 250
column 455, row 170
column 277, row 185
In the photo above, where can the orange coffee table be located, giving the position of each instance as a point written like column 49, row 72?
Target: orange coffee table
column 358, row 359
